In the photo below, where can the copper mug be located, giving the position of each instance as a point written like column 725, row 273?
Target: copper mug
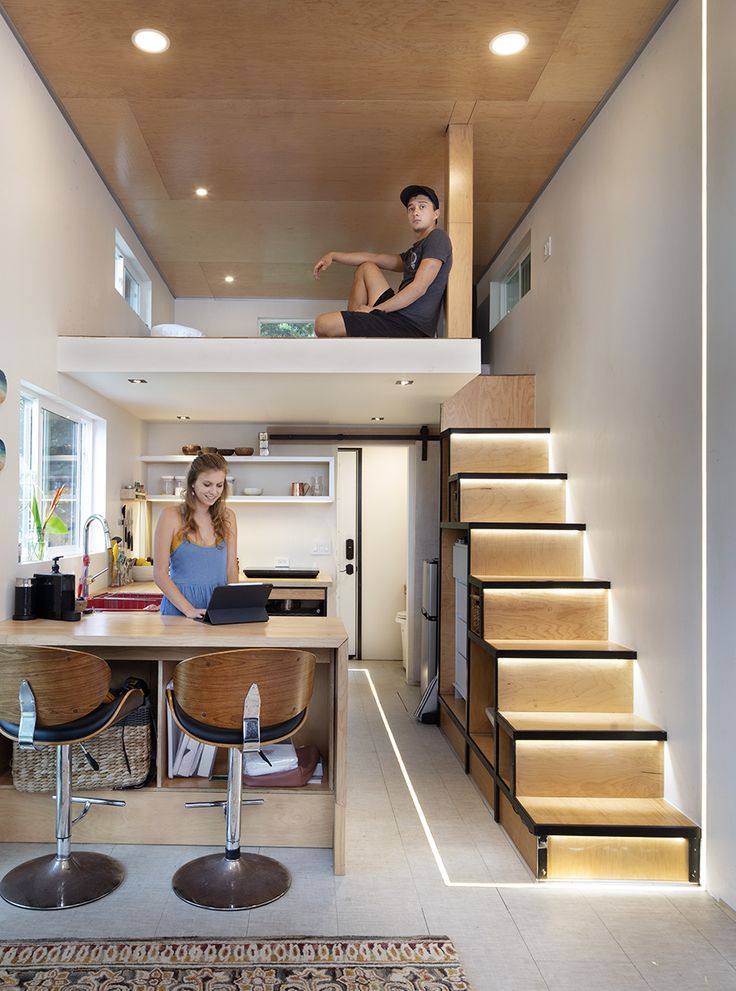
column 300, row 488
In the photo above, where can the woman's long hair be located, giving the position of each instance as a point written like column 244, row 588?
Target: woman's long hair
column 205, row 462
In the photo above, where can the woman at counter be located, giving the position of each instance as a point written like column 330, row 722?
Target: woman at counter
column 195, row 543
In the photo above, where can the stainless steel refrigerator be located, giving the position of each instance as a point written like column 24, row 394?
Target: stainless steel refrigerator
column 428, row 668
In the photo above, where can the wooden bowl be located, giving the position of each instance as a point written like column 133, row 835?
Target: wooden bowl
column 190, row 449
column 244, row 452
column 209, row 450
column 226, row 451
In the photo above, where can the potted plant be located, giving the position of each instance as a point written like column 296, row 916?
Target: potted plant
column 46, row 522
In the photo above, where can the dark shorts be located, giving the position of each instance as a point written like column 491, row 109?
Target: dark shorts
column 378, row 323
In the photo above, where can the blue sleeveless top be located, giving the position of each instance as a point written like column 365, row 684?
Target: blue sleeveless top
column 196, row 570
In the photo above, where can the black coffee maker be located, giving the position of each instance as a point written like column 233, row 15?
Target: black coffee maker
column 54, row 595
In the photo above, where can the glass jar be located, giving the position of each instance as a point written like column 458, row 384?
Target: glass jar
column 167, row 485
column 179, row 485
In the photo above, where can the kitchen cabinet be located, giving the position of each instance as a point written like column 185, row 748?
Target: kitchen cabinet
column 273, row 474
column 150, row 645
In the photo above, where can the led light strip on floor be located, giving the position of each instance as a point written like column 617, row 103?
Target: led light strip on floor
column 609, row 887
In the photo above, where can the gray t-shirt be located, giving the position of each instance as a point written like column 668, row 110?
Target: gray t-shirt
column 424, row 312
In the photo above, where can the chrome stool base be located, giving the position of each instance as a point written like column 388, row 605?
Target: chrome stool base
column 228, row 885
column 52, row 882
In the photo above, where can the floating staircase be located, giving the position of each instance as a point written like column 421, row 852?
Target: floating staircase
column 534, row 698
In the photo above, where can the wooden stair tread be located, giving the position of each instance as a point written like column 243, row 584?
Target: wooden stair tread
column 500, row 476
column 514, row 525
column 494, row 430
column 613, row 812
column 559, row 648
column 541, row 581
column 578, row 722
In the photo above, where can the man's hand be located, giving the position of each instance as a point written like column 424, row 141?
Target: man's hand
column 324, row 263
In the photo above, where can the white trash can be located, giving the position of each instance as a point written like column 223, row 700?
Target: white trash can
column 401, row 620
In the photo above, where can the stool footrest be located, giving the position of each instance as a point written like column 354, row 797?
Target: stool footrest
column 221, row 805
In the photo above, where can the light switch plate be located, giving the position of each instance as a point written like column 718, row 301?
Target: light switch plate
column 321, row 549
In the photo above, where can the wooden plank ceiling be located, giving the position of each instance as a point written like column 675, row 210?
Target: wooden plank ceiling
column 305, row 118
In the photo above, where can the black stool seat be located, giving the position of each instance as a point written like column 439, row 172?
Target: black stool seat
column 79, row 730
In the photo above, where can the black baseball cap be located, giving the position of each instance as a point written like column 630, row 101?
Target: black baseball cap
column 407, row 193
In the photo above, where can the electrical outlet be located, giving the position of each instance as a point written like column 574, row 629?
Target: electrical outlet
column 281, row 562
column 321, row 549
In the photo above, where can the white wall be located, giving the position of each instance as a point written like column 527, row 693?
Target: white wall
column 611, row 329
column 57, row 262
column 385, row 548
column 721, row 463
column 239, row 317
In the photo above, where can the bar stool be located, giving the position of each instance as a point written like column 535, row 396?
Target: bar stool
column 51, row 697
column 238, row 699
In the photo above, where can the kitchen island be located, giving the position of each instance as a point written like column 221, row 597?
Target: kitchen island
column 150, row 645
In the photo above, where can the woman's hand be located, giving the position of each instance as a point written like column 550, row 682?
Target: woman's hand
column 324, row 263
column 192, row 613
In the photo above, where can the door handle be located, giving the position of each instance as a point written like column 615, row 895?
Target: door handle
column 348, row 569
column 350, row 549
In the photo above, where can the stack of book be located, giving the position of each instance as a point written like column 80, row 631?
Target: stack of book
column 187, row 757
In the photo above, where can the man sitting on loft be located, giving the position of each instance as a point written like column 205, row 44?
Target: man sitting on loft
column 374, row 309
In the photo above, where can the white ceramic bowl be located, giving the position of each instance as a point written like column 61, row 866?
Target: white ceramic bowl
column 142, row 572
column 253, row 492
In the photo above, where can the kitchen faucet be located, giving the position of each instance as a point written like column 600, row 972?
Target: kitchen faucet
column 86, row 580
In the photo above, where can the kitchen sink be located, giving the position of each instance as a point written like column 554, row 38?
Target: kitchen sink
column 114, row 601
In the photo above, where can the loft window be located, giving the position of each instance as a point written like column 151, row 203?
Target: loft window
column 131, row 280
column 285, row 328
column 516, row 285
column 56, row 449
column 510, row 286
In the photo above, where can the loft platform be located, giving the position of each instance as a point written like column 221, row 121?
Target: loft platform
column 274, row 380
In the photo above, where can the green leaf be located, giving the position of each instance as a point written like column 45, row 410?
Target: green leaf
column 35, row 512
column 56, row 525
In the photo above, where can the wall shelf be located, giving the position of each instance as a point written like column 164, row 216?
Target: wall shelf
column 269, row 473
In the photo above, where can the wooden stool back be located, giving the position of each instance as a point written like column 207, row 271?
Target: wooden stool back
column 211, row 687
column 67, row 684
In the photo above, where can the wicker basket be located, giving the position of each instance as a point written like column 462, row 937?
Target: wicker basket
column 123, row 752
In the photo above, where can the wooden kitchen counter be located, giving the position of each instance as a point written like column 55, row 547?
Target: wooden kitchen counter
column 150, row 645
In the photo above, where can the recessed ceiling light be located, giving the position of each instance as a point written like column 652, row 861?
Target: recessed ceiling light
column 509, row 43
column 182, row 416
column 138, row 381
column 150, row 40
column 404, row 381
column 201, row 192
column 376, row 418
column 229, row 278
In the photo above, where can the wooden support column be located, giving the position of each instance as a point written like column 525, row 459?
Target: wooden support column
column 459, row 214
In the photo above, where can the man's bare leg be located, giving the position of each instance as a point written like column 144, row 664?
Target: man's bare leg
column 329, row 325
column 368, row 284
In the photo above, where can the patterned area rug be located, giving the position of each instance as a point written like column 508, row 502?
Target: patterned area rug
column 296, row 964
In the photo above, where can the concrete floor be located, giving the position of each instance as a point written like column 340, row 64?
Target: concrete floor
column 511, row 932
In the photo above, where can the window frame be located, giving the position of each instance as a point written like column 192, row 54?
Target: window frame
column 521, row 256
column 128, row 270
column 31, row 470
column 290, row 320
